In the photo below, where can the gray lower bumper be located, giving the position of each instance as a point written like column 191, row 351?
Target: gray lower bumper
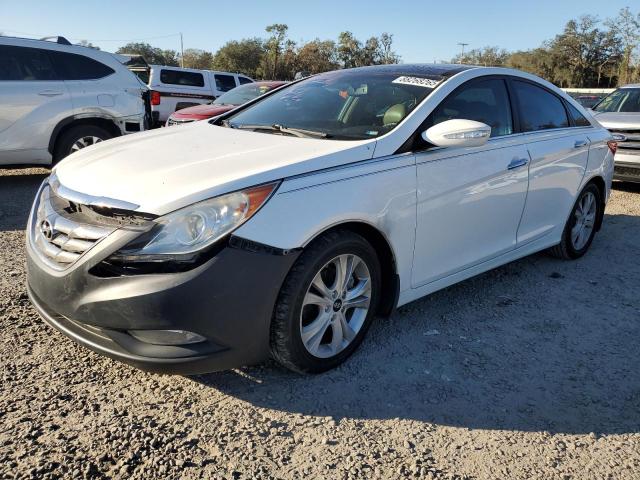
column 229, row 300
column 627, row 165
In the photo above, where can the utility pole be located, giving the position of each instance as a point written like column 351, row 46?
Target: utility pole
column 462, row 54
column 181, row 51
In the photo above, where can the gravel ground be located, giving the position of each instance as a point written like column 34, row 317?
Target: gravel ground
column 528, row 371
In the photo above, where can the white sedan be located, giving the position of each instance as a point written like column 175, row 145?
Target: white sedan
column 285, row 226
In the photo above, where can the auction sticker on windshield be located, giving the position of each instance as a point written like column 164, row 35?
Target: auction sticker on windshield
column 417, row 81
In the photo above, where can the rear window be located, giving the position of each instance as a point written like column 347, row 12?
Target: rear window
column 177, row 77
column 244, row 80
column 539, row 109
column 25, row 64
column 78, row 67
column 224, row 83
column 579, row 119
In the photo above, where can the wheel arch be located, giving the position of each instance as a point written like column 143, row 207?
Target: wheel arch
column 74, row 121
column 390, row 290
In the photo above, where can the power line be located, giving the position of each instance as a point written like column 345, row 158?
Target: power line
column 96, row 39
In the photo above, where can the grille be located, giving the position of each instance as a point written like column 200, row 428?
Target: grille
column 632, row 141
column 60, row 231
column 173, row 121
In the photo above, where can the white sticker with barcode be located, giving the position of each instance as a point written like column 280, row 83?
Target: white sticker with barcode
column 417, row 81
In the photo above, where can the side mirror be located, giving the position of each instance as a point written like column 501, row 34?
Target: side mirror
column 458, row 133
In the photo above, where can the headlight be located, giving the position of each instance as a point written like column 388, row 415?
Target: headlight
column 196, row 227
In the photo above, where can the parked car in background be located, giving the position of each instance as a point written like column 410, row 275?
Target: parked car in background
column 286, row 225
column 56, row 98
column 223, row 103
column 174, row 88
column 588, row 101
column 620, row 113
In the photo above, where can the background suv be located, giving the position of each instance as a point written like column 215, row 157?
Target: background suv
column 620, row 113
column 58, row 98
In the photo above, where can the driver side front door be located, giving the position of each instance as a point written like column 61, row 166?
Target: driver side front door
column 470, row 200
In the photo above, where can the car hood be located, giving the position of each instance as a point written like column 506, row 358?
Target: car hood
column 203, row 111
column 618, row 120
column 169, row 168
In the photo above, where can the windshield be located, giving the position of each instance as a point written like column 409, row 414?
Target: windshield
column 352, row 105
column 242, row 94
column 622, row 100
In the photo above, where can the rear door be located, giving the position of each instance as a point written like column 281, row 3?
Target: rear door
column 559, row 151
column 33, row 99
column 88, row 82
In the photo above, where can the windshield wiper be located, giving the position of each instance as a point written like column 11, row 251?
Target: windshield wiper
column 298, row 132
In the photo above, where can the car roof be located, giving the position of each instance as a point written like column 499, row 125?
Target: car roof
column 421, row 69
column 632, row 85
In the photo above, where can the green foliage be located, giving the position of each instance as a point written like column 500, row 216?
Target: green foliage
column 588, row 53
column 152, row 55
column 277, row 57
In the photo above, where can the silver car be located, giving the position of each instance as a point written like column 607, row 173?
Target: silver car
column 58, row 98
column 619, row 112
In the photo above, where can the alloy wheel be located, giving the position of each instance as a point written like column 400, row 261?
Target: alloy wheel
column 335, row 306
column 585, row 216
column 84, row 142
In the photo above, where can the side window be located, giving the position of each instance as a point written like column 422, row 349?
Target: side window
column 224, row 83
column 23, row 63
column 244, row 80
column 539, row 109
column 78, row 67
column 485, row 101
column 177, row 77
column 578, row 119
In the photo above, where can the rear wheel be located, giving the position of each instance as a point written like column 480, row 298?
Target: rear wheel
column 77, row 138
column 326, row 304
column 581, row 226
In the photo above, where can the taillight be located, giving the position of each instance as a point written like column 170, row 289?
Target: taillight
column 613, row 146
column 155, row 97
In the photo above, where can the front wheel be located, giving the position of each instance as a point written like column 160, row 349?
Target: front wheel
column 581, row 226
column 326, row 303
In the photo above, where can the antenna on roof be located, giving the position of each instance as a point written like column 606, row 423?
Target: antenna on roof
column 57, row 39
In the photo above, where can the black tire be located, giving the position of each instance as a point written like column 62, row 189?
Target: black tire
column 286, row 342
column 67, row 139
column 565, row 249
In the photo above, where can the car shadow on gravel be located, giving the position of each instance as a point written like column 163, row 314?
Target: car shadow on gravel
column 17, row 190
column 629, row 187
column 537, row 345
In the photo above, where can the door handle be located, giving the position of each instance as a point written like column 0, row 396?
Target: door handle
column 580, row 143
column 517, row 162
column 50, row 93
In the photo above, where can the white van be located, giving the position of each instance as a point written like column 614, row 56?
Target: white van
column 175, row 88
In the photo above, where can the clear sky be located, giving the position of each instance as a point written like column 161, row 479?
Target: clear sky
column 423, row 31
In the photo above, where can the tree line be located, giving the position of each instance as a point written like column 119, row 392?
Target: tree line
column 589, row 53
column 277, row 56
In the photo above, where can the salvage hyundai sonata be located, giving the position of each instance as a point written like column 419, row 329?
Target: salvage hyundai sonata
column 286, row 226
